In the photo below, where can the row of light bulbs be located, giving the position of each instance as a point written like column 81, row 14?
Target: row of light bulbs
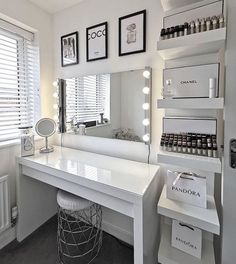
column 146, row 106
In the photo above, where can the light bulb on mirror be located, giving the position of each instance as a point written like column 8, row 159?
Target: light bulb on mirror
column 146, row 122
column 146, row 90
column 146, row 74
column 146, row 106
column 55, row 106
column 55, row 95
column 55, row 118
column 55, row 84
column 146, row 138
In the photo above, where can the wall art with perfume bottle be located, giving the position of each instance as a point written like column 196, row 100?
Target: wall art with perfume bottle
column 205, row 18
column 201, row 81
column 190, row 135
column 132, row 33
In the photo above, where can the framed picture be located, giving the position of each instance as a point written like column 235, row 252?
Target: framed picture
column 69, row 49
column 97, row 42
column 132, row 33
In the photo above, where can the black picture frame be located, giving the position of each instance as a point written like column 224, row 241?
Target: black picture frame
column 105, row 51
column 122, row 19
column 72, row 49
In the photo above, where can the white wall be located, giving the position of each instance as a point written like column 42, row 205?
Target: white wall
column 29, row 16
column 91, row 12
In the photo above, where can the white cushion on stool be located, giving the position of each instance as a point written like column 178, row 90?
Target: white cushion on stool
column 72, row 202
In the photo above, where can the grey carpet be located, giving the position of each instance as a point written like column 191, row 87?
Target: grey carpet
column 40, row 248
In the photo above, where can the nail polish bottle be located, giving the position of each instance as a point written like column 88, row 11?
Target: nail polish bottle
column 176, row 34
column 192, row 27
column 175, row 146
column 181, row 30
column 172, row 32
column 197, row 26
column 184, row 147
column 166, row 146
column 186, row 29
column 214, row 22
column 189, row 147
column 203, row 25
column 163, row 34
column 199, row 147
column 167, row 33
column 204, row 149
column 208, row 24
column 209, row 149
column 179, row 146
column 194, row 146
column 221, row 21
column 215, row 151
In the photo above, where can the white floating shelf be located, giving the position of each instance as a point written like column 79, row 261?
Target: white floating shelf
column 196, row 103
column 170, row 255
column 191, row 45
column 190, row 161
column 205, row 219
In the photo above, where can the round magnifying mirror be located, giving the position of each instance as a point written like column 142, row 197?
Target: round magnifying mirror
column 46, row 127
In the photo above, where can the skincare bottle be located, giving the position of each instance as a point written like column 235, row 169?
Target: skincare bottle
column 212, row 87
column 163, row 34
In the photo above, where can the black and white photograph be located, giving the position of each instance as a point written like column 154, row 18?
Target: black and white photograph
column 97, row 42
column 69, row 49
column 132, row 33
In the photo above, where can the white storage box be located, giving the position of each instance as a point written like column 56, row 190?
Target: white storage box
column 205, row 11
column 187, row 188
column 187, row 238
column 190, row 125
column 191, row 82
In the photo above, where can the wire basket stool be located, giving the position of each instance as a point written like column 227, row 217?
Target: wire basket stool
column 79, row 235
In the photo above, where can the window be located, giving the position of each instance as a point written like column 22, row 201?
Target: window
column 19, row 81
column 88, row 97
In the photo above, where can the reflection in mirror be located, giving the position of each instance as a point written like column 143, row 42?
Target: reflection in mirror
column 112, row 105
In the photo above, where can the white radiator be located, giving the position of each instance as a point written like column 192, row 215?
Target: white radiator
column 4, row 204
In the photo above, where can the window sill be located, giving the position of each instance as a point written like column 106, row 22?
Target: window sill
column 14, row 142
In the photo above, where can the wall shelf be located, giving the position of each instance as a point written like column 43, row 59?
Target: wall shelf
column 170, row 255
column 191, row 45
column 205, row 219
column 191, row 103
column 190, row 161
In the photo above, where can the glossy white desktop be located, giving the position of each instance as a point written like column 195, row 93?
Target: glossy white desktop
column 128, row 187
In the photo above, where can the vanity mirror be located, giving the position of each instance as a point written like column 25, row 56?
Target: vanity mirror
column 110, row 105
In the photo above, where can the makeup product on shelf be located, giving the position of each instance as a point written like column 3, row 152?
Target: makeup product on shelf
column 215, row 150
column 208, row 24
column 192, row 27
column 212, row 87
column 197, row 26
column 175, row 146
column 167, row 33
column 186, row 29
column 181, row 30
column 204, row 149
column 179, row 149
column 172, row 32
column 189, row 147
column 209, row 149
column 194, row 146
column 184, row 146
column 176, row 34
column 214, row 21
column 163, row 34
column 203, row 25
column 221, row 21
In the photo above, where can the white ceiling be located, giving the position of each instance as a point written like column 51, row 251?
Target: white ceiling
column 53, row 6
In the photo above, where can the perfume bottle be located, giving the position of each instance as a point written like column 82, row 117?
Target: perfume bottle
column 131, row 34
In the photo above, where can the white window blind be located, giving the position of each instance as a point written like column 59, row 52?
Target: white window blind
column 88, row 97
column 19, row 83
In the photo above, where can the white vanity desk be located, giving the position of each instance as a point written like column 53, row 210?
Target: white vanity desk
column 128, row 187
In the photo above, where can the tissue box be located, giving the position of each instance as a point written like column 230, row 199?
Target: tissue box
column 187, row 238
column 187, row 188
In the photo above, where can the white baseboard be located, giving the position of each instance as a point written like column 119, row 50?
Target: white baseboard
column 7, row 237
column 118, row 232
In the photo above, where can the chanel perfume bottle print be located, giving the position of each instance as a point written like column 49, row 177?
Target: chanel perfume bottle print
column 132, row 33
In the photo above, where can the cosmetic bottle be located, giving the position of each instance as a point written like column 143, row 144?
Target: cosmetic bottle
column 166, row 146
column 209, row 149
column 212, row 87
column 186, row 29
column 202, row 25
column 214, row 21
column 197, row 26
column 215, row 152
column 175, row 146
column 192, row 27
column 208, row 24
column 221, row 21
column 204, row 149
column 176, row 33
column 181, row 30
column 172, row 32
column 167, row 33
column 163, row 34
column 179, row 146
column 184, row 146
column 199, row 147
column 189, row 147
column 194, row 146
